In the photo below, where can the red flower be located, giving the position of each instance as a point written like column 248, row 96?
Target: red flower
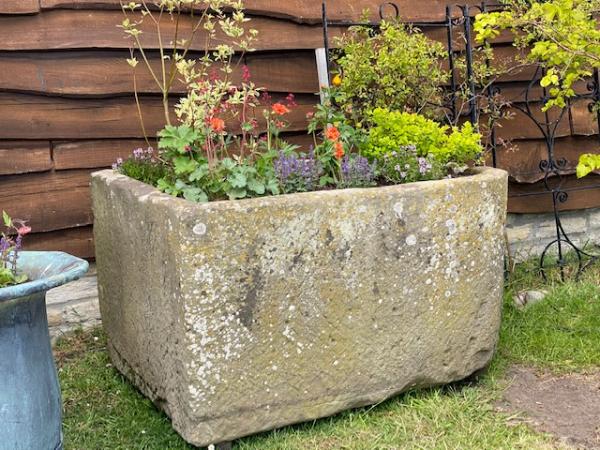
column 266, row 97
column 217, row 124
column 339, row 150
column 280, row 109
column 23, row 230
column 332, row 133
column 246, row 74
column 291, row 101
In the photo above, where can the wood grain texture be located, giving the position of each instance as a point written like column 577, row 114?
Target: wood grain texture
column 93, row 154
column 23, row 157
column 521, row 158
column 302, row 11
column 521, row 200
column 38, row 117
column 106, row 73
column 19, row 6
column 49, row 201
column 76, row 241
column 15, row 185
column 54, row 210
column 520, row 126
column 63, row 29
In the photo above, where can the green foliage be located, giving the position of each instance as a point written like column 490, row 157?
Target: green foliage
column 330, row 151
column 394, row 129
column 587, row 164
column 9, row 278
column 562, row 35
column 178, row 139
column 404, row 166
column 7, row 219
column 148, row 172
column 195, row 178
column 218, row 150
column 398, row 68
column 463, row 145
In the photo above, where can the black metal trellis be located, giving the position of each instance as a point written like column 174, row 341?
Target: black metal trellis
column 460, row 17
column 554, row 168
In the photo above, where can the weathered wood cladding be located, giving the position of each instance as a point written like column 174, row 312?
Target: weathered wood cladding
column 66, row 103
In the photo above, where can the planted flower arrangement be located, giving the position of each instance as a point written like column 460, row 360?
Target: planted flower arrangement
column 246, row 283
column 30, row 406
column 10, row 245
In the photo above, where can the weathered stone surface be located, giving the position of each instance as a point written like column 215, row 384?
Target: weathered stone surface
column 238, row 317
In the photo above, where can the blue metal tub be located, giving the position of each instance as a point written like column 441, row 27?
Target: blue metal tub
column 30, row 405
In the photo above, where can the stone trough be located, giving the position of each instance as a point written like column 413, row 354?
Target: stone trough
column 236, row 317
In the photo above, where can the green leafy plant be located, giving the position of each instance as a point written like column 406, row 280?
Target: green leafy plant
column 228, row 140
column 143, row 165
column 216, row 18
column 561, row 35
column 216, row 151
column 394, row 129
column 587, row 164
column 10, row 246
column 397, row 68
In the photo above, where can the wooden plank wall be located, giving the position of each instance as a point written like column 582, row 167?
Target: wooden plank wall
column 67, row 109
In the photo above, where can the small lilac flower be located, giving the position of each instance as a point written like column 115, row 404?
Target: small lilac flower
column 140, row 154
column 117, row 165
column 397, row 168
column 403, row 175
column 424, row 165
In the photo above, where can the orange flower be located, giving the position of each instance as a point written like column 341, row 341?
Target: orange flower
column 280, row 109
column 217, row 124
column 332, row 133
column 339, row 150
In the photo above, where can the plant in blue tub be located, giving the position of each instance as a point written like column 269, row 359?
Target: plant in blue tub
column 10, row 245
column 30, row 405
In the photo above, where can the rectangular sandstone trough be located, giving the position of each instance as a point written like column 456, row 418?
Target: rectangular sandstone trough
column 242, row 316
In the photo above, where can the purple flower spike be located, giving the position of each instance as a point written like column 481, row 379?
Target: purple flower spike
column 356, row 171
column 298, row 174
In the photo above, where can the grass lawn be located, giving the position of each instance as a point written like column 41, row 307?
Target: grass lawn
column 562, row 334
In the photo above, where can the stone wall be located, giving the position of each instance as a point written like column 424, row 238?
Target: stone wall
column 529, row 234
